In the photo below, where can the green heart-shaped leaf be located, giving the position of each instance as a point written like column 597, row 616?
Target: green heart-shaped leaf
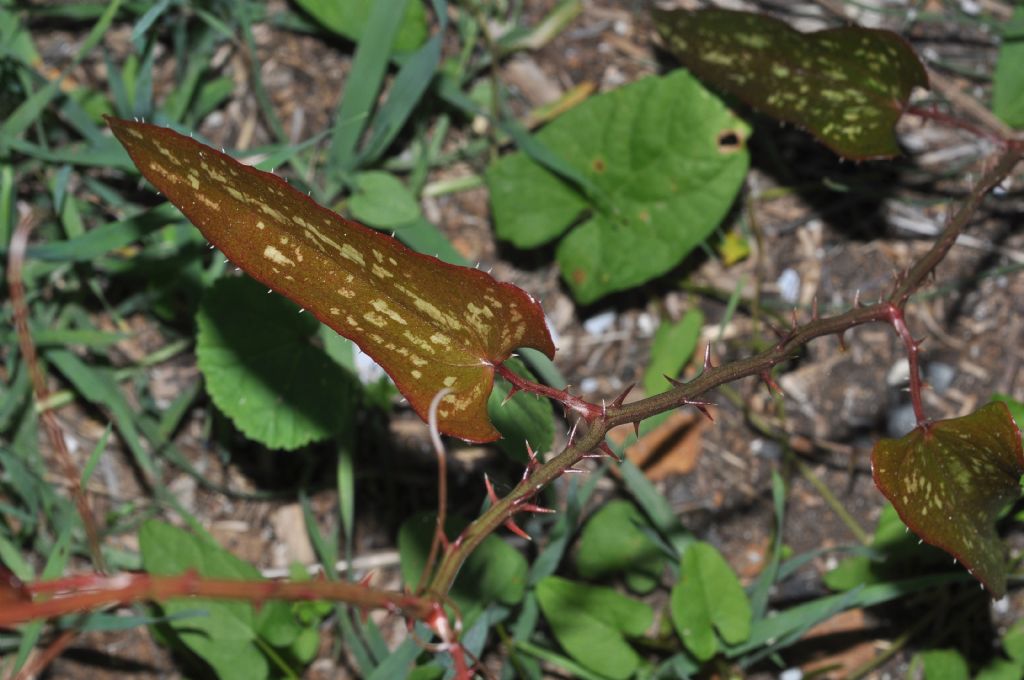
column 349, row 18
column 591, row 623
column 666, row 158
column 1008, row 79
column 263, row 371
column 230, row 636
column 429, row 324
column 950, row 479
column 708, row 597
column 848, row 86
column 614, row 541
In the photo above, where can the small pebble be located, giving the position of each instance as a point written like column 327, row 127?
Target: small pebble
column 367, row 369
column 940, row 376
column 599, row 324
column 789, row 286
column 901, row 420
column 898, row 374
column 552, row 330
column 766, row 448
column 791, row 674
column 970, row 7
column 646, row 324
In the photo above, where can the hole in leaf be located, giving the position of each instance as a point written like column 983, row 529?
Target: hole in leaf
column 729, row 141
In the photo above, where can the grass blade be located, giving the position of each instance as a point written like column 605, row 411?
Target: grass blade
column 363, row 84
column 411, row 82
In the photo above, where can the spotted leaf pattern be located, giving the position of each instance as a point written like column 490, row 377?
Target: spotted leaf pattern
column 848, row 86
column 429, row 324
column 949, row 480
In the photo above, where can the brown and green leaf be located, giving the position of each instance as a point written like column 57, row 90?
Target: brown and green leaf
column 950, row 480
column 429, row 324
column 848, row 86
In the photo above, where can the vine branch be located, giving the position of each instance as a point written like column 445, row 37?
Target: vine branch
column 889, row 311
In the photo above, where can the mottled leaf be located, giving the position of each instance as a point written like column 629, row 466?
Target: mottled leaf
column 848, row 86
column 949, row 481
column 666, row 159
column 429, row 324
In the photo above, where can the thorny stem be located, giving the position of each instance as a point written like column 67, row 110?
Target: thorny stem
column 15, row 262
column 889, row 310
column 913, row 349
column 932, row 113
column 88, row 592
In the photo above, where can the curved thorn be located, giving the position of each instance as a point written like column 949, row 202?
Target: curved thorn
column 493, row 497
column 702, row 406
column 511, row 393
column 770, row 382
column 515, row 529
column 607, row 450
column 534, row 508
column 621, row 399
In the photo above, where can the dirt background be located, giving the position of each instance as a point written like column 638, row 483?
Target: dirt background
column 837, row 403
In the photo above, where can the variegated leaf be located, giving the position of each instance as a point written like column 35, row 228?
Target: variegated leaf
column 429, row 324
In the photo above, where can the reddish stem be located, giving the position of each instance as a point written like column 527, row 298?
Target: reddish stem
column 913, row 347
column 15, row 261
column 933, row 113
column 581, row 406
column 90, row 592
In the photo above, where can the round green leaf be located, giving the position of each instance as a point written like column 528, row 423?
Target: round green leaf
column 263, row 371
column 666, row 158
column 949, row 481
column 612, row 542
column 591, row 623
column 1008, row 79
column 382, row 201
column 348, row 18
column 708, row 597
column 226, row 636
